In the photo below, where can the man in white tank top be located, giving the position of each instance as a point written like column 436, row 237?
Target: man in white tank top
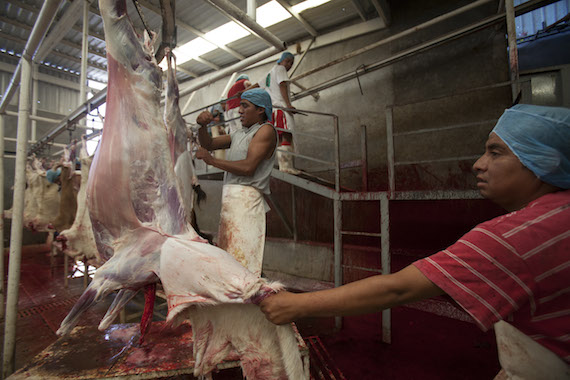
column 248, row 164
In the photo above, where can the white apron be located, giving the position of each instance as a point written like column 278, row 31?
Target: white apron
column 242, row 225
column 522, row 358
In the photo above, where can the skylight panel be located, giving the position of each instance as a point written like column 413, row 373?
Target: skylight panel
column 308, row 4
column 271, row 13
column 226, row 33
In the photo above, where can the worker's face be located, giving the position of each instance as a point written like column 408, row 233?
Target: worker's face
column 502, row 178
column 288, row 63
column 250, row 113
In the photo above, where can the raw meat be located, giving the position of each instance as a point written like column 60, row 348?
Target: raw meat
column 68, row 192
column 142, row 230
column 41, row 198
column 78, row 241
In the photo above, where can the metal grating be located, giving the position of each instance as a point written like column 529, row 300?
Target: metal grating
column 50, row 306
column 322, row 365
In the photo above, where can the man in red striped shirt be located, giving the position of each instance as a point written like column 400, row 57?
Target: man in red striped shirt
column 515, row 267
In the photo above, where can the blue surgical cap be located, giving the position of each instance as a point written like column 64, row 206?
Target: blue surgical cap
column 260, row 98
column 52, row 175
column 242, row 76
column 284, row 56
column 540, row 137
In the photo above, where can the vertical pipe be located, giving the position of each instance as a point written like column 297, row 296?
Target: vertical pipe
column 390, row 150
column 294, row 213
column 188, row 102
column 337, row 205
column 251, row 9
column 2, row 125
column 336, row 154
column 385, row 258
column 84, row 56
column 364, row 157
column 513, row 52
column 17, row 221
column 35, row 98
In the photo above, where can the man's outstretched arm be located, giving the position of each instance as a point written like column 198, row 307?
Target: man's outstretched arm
column 369, row 295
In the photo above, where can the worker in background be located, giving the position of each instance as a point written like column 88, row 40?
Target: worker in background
column 217, row 129
column 53, row 176
column 511, row 272
column 277, row 82
column 249, row 160
column 232, row 105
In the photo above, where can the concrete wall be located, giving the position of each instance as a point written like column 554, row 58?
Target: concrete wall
column 430, row 90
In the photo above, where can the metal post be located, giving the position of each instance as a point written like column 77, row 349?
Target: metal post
column 390, row 150
column 2, row 125
column 188, row 102
column 84, row 56
column 336, row 154
column 513, row 52
column 294, row 213
column 35, row 98
column 385, row 259
column 337, row 205
column 17, row 221
column 364, row 157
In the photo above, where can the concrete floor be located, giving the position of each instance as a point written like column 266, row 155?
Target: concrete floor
column 425, row 346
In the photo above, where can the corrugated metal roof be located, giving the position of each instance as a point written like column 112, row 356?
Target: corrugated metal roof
column 17, row 17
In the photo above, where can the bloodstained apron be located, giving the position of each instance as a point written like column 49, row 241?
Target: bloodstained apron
column 242, row 225
column 522, row 358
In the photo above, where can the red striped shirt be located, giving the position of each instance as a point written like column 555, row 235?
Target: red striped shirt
column 515, row 266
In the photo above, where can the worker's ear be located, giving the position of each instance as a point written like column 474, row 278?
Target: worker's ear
column 260, row 111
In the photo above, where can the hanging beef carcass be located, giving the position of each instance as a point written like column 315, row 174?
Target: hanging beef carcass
column 41, row 198
column 141, row 228
column 78, row 241
column 68, row 191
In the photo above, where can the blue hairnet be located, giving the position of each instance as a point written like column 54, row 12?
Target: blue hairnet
column 242, row 76
column 260, row 98
column 52, row 175
column 284, row 56
column 540, row 137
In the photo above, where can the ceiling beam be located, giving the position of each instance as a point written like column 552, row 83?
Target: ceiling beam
column 383, row 10
column 187, row 72
column 298, row 17
column 64, row 42
column 193, row 30
column 207, row 63
column 33, row 9
column 54, row 52
column 359, row 9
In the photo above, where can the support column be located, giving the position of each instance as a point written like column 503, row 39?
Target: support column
column 84, row 56
column 2, row 125
column 513, row 51
column 337, row 205
column 35, row 98
column 386, row 262
column 17, row 221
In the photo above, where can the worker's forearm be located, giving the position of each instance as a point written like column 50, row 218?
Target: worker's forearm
column 204, row 138
column 366, row 296
column 241, row 167
column 285, row 94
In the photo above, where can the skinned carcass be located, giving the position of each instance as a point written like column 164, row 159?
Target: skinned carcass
column 78, row 241
column 68, row 191
column 141, row 227
column 41, row 198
